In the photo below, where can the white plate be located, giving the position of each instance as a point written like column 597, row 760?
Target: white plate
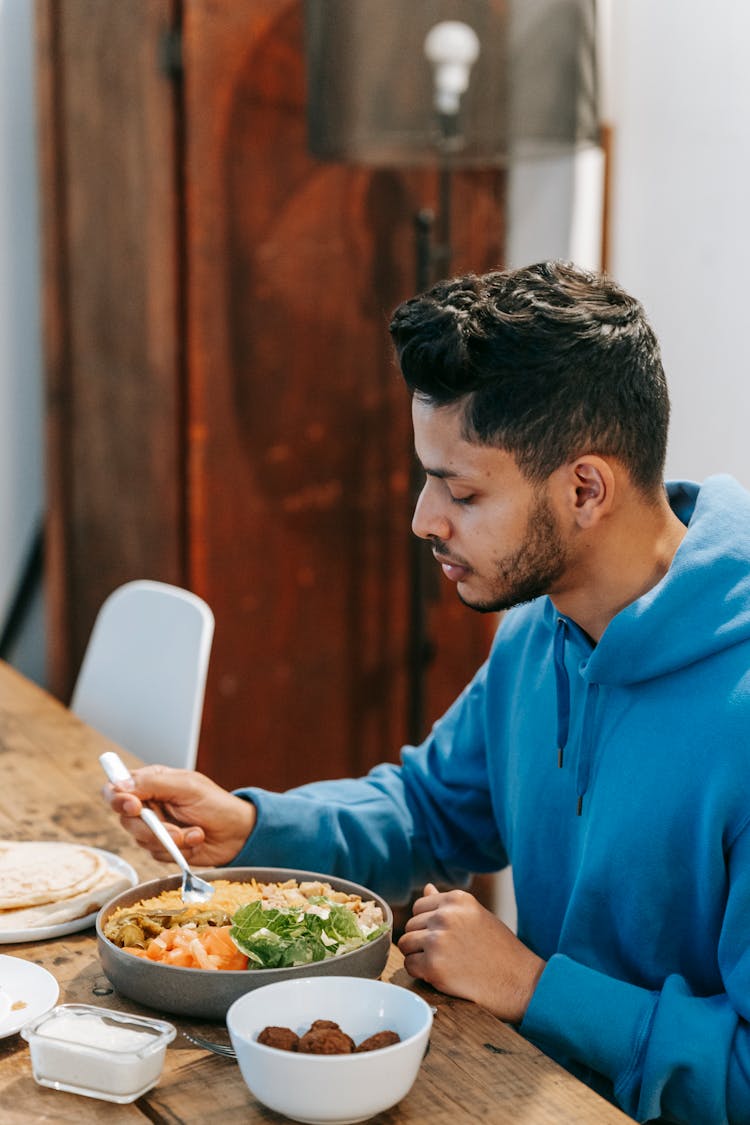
column 25, row 984
column 41, row 933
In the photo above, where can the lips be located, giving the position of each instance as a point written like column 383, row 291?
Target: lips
column 456, row 572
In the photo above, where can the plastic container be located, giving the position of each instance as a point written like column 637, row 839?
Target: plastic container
column 97, row 1052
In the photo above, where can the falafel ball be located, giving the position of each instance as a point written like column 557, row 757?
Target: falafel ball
column 326, row 1041
column 283, row 1038
column 379, row 1039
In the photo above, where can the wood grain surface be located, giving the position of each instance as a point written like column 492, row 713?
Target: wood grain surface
column 477, row 1068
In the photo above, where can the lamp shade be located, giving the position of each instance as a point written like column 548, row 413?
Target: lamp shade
column 371, row 96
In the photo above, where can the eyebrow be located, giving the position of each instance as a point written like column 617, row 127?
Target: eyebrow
column 441, row 474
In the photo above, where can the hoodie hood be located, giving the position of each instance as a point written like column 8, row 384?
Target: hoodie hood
column 707, row 584
column 646, row 639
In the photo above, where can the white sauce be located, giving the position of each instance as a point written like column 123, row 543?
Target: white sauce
column 90, row 1031
column 97, row 1056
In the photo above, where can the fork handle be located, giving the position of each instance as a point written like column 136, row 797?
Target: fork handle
column 116, row 770
column 149, row 817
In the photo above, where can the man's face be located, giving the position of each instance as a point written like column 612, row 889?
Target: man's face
column 494, row 533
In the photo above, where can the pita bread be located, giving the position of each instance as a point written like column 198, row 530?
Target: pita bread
column 68, row 909
column 34, row 874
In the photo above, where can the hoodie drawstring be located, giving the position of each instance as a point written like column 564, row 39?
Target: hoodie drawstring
column 586, row 751
column 562, row 688
column 562, row 684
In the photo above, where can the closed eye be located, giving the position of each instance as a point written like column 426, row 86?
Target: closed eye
column 463, row 499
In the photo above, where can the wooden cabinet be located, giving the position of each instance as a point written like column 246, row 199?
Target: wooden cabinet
column 223, row 409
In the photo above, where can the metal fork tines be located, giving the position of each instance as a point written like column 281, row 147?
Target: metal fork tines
column 223, row 1049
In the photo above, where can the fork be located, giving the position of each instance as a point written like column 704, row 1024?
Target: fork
column 194, row 889
column 222, row 1049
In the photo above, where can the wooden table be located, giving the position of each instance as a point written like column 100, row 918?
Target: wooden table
column 50, row 783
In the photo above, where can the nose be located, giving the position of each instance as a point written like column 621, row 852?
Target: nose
column 428, row 522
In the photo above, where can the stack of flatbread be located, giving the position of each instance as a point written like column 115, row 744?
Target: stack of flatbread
column 45, row 883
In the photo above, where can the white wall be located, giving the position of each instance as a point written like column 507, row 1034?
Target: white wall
column 21, row 487
column 676, row 88
column 555, row 209
column 680, row 99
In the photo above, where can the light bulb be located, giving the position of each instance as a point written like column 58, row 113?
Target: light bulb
column 452, row 47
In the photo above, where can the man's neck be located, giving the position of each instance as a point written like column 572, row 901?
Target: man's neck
column 632, row 556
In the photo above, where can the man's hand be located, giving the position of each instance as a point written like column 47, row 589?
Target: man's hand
column 208, row 824
column 459, row 947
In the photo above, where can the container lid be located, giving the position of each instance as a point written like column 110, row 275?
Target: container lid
column 101, row 1029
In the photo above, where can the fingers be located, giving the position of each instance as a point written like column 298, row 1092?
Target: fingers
column 416, row 965
column 413, row 941
column 424, row 913
column 417, row 949
column 152, row 785
column 189, row 839
column 193, row 837
column 427, row 903
column 162, row 784
column 122, row 800
column 159, row 783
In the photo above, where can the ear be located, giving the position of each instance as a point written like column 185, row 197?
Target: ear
column 592, row 489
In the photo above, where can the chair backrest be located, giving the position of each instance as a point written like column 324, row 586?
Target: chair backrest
column 143, row 675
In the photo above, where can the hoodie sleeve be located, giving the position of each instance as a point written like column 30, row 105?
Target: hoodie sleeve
column 428, row 818
column 667, row 1052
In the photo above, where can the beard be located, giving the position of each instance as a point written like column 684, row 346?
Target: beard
column 530, row 571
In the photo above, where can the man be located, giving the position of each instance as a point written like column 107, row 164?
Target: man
column 603, row 747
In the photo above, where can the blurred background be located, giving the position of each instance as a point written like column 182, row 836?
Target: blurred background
column 202, row 235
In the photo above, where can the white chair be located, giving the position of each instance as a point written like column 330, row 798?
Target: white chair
column 143, row 675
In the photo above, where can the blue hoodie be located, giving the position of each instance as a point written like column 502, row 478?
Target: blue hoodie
column 615, row 778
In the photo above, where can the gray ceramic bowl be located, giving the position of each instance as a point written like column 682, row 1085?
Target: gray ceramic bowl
column 205, row 994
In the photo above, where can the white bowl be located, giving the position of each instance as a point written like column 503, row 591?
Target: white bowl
column 328, row 1089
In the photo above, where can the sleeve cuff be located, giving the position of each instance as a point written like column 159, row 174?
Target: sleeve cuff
column 273, row 846
column 582, row 1014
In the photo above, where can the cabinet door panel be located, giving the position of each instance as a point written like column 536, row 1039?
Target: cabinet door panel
column 115, row 484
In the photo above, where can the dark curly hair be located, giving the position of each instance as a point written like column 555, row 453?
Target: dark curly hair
column 549, row 361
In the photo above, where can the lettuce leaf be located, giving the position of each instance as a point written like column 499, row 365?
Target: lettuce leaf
column 280, row 937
